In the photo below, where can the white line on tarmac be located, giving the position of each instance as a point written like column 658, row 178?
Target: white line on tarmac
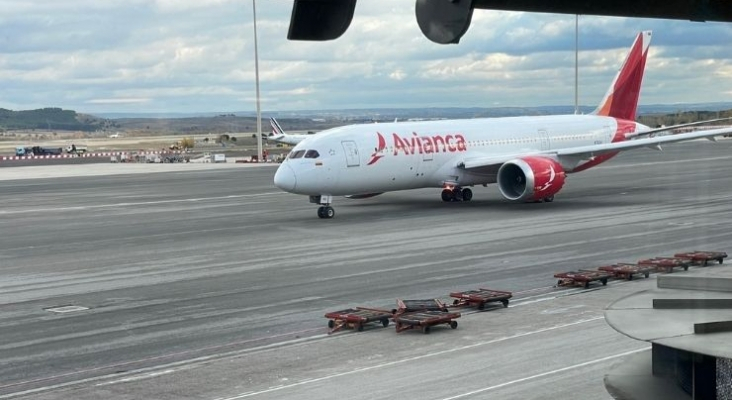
column 138, row 377
column 140, row 203
column 556, row 371
column 410, row 359
column 645, row 164
column 174, row 366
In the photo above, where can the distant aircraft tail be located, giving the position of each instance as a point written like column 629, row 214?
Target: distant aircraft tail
column 279, row 135
column 276, row 128
column 621, row 100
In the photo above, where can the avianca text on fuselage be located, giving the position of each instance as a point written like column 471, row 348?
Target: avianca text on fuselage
column 422, row 144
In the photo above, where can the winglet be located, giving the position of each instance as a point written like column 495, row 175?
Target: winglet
column 621, row 100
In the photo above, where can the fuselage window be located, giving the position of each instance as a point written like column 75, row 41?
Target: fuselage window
column 296, row 154
column 312, row 154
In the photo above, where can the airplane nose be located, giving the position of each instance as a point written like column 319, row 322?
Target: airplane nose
column 285, row 178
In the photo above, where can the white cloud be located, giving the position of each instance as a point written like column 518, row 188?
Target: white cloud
column 397, row 75
column 118, row 101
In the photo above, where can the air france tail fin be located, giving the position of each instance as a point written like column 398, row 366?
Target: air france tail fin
column 621, row 100
column 280, row 136
column 276, row 128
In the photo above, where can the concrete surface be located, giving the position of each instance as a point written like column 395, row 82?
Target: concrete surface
column 212, row 284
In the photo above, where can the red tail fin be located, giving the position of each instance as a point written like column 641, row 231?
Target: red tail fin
column 621, row 100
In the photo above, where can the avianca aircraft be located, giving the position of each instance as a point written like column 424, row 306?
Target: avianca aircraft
column 528, row 157
column 279, row 135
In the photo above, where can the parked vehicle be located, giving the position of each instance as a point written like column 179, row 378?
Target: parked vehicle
column 21, row 151
column 74, row 149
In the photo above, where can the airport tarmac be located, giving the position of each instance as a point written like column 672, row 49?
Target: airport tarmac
column 210, row 283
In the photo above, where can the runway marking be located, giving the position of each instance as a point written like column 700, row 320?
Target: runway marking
column 183, row 364
column 645, row 164
column 140, row 203
column 556, row 371
column 410, row 359
column 138, row 377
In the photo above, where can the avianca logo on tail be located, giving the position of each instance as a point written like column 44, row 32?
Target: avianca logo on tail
column 416, row 144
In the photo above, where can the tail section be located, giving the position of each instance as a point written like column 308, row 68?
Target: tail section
column 276, row 128
column 279, row 135
column 621, row 100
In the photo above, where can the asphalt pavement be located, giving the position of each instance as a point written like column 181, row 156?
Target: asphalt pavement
column 210, row 283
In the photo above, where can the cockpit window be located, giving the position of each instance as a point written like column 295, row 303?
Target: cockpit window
column 296, row 154
column 312, row 154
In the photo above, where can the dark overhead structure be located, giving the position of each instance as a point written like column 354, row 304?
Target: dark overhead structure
column 446, row 21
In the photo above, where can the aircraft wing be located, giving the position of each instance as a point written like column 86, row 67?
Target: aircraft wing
column 487, row 163
column 600, row 149
column 572, row 155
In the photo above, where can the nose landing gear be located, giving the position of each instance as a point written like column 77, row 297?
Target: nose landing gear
column 325, row 211
column 456, row 194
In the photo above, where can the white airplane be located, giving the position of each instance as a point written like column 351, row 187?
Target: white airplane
column 528, row 157
column 279, row 135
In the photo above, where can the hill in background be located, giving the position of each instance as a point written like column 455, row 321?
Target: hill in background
column 50, row 119
column 58, row 120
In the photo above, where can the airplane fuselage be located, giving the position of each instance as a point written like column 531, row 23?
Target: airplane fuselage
column 371, row 158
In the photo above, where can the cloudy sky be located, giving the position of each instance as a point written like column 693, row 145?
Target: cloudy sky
column 198, row 56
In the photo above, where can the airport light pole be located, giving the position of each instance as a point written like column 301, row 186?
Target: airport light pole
column 576, row 64
column 256, row 78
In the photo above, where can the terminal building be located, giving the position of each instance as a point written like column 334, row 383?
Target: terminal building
column 687, row 319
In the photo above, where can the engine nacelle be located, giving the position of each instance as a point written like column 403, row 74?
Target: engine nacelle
column 530, row 178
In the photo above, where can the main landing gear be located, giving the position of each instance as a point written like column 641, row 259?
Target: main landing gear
column 325, row 211
column 457, row 194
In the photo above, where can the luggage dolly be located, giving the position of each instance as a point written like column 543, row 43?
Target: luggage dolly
column 404, row 306
column 625, row 270
column 480, row 297
column 700, row 257
column 425, row 320
column 665, row 263
column 356, row 318
column 581, row 278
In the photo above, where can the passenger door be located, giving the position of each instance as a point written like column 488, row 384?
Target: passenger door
column 351, row 151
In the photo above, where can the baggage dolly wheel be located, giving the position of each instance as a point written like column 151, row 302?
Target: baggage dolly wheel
column 481, row 306
column 720, row 260
column 426, row 329
column 385, row 322
column 359, row 327
column 686, row 268
column 604, row 282
column 331, row 323
column 453, row 324
column 647, row 274
column 505, row 303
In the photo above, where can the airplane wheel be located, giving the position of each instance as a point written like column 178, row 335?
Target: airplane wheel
column 329, row 212
column 448, row 195
column 321, row 212
column 467, row 194
column 549, row 199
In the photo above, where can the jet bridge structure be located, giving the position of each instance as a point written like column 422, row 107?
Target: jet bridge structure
column 446, row 21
